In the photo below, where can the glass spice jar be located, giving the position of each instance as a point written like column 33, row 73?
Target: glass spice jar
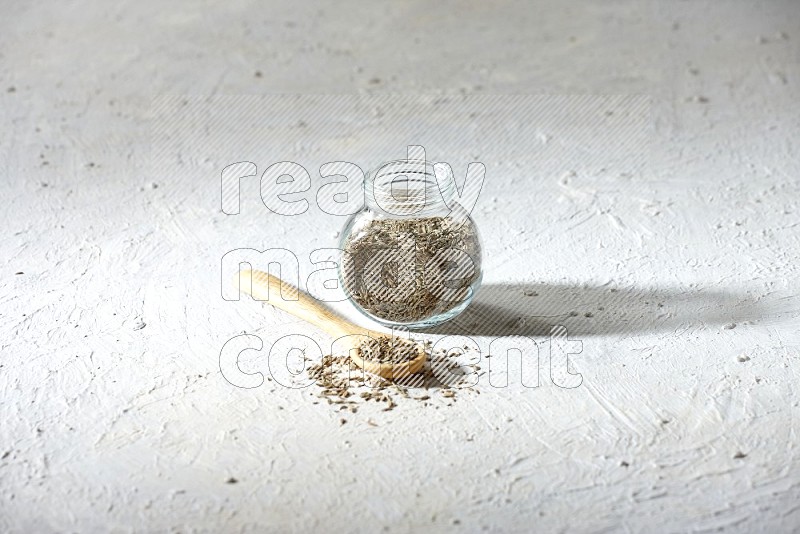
column 412, row 256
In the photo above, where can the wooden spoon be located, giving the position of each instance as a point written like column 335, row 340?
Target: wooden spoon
column 270, row 289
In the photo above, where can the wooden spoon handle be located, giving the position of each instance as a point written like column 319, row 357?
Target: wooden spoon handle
column 274, row 291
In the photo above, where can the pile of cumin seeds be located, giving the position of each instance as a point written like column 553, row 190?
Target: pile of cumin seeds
column 389, row 349
column 344, row 386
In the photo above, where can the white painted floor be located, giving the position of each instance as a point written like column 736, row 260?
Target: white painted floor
column 663, row 236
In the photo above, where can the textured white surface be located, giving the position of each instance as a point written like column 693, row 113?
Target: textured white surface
column 111, row 425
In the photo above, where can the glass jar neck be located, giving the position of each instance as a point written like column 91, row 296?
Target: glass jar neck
column 408, row 189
